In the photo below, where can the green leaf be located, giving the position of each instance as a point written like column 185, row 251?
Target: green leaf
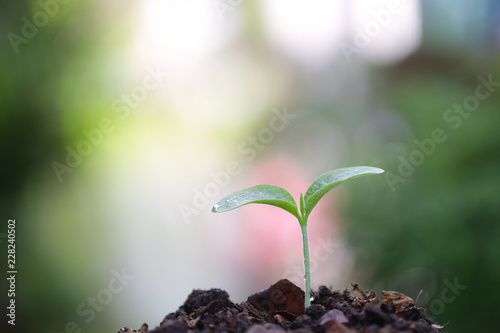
column 264, row 194
column 327, row 181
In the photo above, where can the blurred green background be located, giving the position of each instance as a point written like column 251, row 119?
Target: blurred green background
column 121, row 124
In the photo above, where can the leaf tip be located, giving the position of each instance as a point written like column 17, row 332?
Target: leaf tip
column 214, row 208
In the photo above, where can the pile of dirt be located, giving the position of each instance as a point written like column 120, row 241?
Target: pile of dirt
column 280, row 308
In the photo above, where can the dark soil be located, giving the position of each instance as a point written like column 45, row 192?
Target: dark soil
column 280, row 308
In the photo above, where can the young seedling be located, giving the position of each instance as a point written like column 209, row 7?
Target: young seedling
column 279, row 197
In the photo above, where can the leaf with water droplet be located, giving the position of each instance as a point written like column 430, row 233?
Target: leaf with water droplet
column 264, row 194
column 327, row 181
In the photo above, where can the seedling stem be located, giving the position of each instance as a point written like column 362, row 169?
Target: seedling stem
column 279, row 197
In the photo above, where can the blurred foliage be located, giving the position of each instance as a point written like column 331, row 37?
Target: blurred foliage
column 33, row 133
column 444, row 216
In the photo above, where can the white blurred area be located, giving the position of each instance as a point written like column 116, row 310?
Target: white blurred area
column 400, row 29
column 177, row 33
column 311, row 31
column 308, row 31
column 220, row 79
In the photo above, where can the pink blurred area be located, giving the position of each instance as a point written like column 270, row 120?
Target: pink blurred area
column 270, row 237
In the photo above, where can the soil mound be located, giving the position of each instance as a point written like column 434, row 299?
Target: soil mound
column 280, row 308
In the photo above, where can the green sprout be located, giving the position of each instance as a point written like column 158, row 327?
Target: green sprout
column 277, row 196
